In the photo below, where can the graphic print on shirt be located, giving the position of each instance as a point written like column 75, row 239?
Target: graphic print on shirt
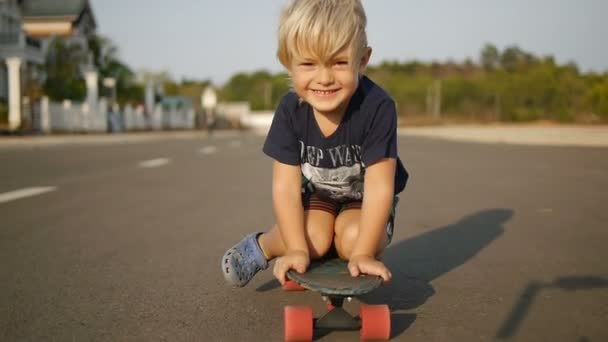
column 335, row 173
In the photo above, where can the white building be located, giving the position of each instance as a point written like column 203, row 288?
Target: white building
column 26, row 29
column 19, row 53
column 72, row 20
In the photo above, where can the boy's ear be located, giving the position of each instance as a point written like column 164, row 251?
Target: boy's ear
column 365, row 57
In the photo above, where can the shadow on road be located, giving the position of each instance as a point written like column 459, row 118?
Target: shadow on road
column 269, row 285
column 417, row 261
column 531, row 292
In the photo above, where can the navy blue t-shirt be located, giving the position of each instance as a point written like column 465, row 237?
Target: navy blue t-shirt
column 334, row 166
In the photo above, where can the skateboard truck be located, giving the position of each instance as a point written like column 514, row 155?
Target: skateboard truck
column 337, row 318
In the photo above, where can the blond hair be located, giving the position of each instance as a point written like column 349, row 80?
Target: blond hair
column 320, row 29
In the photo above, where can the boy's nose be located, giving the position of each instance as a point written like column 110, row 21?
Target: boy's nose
column 325, row 76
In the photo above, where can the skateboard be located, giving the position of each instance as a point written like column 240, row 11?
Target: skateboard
column 331, row 278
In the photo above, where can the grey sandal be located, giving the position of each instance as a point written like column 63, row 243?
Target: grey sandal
column 241, row 262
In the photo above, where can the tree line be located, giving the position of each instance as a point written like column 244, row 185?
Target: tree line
column 511, row 85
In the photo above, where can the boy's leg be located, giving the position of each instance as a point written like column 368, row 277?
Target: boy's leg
column 242, row 261
column 319, row 230
column 319, row 217
column 347, row 230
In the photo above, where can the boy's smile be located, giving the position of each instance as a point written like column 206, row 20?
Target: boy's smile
column 325, row 93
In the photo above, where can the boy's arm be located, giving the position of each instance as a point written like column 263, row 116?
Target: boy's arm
column 287, row 202
column 379, row 190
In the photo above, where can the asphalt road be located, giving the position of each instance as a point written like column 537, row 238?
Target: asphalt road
column 492, row 242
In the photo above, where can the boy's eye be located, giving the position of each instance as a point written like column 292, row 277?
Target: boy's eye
column 342, row 63
column 305, row 64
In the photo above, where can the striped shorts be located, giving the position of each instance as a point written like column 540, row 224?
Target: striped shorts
column 311, row 201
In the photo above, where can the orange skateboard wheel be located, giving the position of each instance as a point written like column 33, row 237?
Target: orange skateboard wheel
column 375, row 322
column 298, row 323
column 291, row 285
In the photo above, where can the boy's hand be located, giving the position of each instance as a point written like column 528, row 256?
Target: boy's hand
column 368, row 265
column 294, row 260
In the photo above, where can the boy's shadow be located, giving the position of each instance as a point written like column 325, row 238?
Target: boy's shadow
column 417, row 261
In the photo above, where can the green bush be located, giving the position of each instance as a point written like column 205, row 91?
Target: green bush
column 596, row 100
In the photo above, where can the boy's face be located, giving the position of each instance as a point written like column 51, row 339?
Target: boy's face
column 327, row 85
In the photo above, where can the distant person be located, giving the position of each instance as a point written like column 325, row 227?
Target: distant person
column 333, row 139
column 210, row 120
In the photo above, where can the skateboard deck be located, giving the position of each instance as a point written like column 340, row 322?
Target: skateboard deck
column 331, row 278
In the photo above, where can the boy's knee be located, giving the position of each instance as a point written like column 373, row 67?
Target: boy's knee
column 346, row 240
column 319, row 242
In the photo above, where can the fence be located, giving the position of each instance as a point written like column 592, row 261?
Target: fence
column 73, row 117
column 161, row 118
column 76, row 117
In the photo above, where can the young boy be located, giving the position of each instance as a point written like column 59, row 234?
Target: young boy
column 335, row 171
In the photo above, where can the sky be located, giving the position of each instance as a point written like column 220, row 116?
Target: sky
column 211, row 39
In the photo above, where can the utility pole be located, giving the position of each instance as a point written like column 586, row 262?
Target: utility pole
column 267, row 94
column 433, row 100
column 437, row 98
column 497, row 105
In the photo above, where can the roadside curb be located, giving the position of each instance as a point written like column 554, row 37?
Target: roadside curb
column 558, row 135
column 584, row 136
column 104, row 139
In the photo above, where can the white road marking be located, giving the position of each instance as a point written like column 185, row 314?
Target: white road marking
column 154, row 162
column 25, row 192
column 208, row 150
